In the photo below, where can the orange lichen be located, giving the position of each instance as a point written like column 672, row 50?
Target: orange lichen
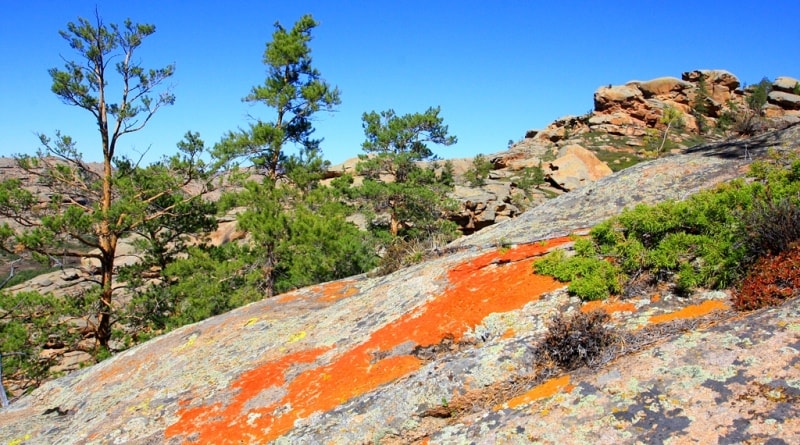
column 490, row 283
column 510, row 333
column 693, row 311
column 336, row 290
column 608, row 306
column 329, row 292
column 288, row 297
column 212, row 422
column 546, row 389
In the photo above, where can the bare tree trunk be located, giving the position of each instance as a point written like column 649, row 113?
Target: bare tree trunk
column 103, row 332
column 663, row 141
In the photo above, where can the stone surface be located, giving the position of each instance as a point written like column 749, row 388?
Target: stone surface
column 784, row 100
column 371, row 359
column 785, row 84
column 664, row 86
column 615, row 97
column 575, row 167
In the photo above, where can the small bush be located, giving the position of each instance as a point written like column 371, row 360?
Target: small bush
column 770, row 227
column 770, row 281
column 577, row 339
column 477, row 174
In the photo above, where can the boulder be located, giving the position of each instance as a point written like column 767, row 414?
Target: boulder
column 71, row 361
column 785, row 84
column 348, row 166
column 786, row 101
column 575, row 167
column 616, row 97
column 663, row 86
column 713, row 77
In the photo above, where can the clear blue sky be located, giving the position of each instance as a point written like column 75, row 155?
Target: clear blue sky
column 496, row 68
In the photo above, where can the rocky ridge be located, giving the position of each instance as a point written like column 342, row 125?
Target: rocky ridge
column 443, row 351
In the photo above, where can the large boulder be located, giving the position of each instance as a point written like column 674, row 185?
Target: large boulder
column 663, row 86
column 575, row 167
column 785, row 84
column 787, row 101
column 713, row 77
column 616, row 97
column 348, row 166
column 721, row 84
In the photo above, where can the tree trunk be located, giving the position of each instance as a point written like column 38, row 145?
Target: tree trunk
column 664, row 141
column 394, row 225
column 268, row 269
column 109, row 247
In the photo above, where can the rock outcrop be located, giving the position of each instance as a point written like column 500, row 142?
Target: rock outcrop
column 575, row 167
column 629, row 110
column 443, row 352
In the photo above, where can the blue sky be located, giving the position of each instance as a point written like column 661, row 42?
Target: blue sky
column 496, row 68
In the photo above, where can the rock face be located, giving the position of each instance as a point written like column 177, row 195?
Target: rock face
column 443, row 352
column 576, row 167
column 631, row 109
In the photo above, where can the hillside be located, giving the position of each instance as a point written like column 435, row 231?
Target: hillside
column 450, row 350
column 443, row 352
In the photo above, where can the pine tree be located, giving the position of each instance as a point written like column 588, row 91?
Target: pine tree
column 90, row 210
column 414, row 197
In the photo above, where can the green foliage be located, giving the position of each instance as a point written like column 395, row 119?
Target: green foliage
column 295, row 89
column 771, row 225
column 747, row 120
column 29, row 320
column 530, row 179
column 758, row 95
column 309, row 243
column 708, row 240
column 90, row 210
column 671, row 118
column 408, row 134
column 700, row 105
column 414, row 197
column 590, row 277
column 477, row 174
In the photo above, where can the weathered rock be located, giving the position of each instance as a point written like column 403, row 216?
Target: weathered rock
column 713, row 77
column 663, row 86
column 71, row 361
column 348, row 166
column 363, row 360
column 617, row 118
column 576, row 167
column 786, row 101
column 785, row 84
column 616, row 97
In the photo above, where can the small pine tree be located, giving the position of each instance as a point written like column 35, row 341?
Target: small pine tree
column 701, row 104
column 477, row 174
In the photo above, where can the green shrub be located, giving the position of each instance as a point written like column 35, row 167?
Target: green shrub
column 590, row 277
column 708, row 240
column 477, row 174
column 531, row 178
